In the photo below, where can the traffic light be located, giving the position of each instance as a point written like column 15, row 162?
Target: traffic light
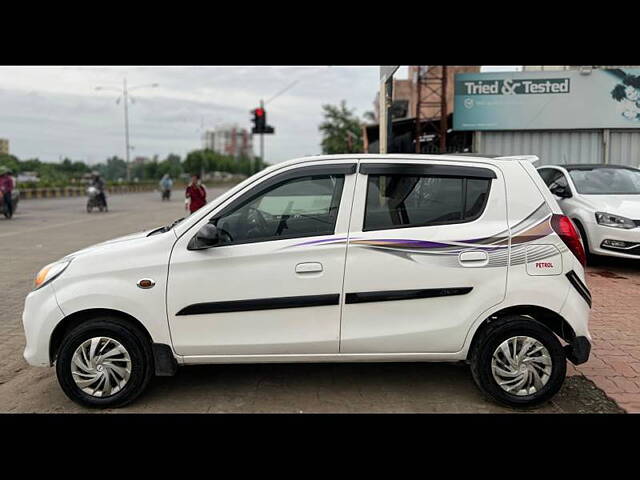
column 260, row 121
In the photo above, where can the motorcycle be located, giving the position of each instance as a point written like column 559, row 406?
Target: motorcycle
column 166, row 193
column 15, row 197
column 95, row 200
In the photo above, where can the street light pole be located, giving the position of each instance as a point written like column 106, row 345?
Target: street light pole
column 125, row 97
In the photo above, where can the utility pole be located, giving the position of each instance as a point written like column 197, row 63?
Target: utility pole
column 124, row 92
column 443, row 112
column 384, row 105
column 260, row 127
column 125, row 97
column 261, row 140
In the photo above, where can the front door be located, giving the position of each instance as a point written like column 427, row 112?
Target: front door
column 273, row 283
column 427, row 254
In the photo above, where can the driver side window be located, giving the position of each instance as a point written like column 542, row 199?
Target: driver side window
column 299, row 207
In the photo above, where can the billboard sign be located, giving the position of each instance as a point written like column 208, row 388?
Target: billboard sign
column 547, row 100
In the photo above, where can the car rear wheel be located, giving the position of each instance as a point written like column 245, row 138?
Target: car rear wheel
column 518, row 362
column 104, row 363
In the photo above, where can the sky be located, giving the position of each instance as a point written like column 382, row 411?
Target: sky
column 56, row 112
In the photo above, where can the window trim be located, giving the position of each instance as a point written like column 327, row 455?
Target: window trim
column 431, row 224
column 338, row 170
column 426, row 170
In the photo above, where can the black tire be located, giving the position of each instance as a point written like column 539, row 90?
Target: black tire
column 138, row 347
column 591, row 258
column 497, row 332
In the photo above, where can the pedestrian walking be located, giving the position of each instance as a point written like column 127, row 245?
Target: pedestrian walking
column 196, row 194
column 6, row 190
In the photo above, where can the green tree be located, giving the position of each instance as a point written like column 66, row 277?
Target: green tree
column 171, row 165
column 341, row 130
column 11, row 162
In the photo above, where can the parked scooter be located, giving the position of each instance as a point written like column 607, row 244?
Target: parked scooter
column 15, row 197
column 95, row 200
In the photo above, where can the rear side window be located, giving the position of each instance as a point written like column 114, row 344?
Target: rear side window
column 397, row 201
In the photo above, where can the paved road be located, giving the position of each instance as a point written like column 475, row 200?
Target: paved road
column 45, row 230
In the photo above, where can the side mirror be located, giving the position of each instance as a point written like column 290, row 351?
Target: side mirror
column 206, row 237
column 562, row 192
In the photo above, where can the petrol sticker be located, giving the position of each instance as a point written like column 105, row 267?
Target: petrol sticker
column 543, row 260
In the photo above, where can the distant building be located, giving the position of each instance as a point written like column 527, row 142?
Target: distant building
column 140, row 160
column 405, row 92
column 229, row 140
column 4, row 146
column 27, row 177
column 585, row 69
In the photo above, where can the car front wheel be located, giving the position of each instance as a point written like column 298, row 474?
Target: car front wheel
column 104, row 363
column 518, row 362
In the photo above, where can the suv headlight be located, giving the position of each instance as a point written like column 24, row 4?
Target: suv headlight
column 50, row 272
column 609, row 220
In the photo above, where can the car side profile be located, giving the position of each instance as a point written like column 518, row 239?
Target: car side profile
column 604, row 203
column 346, row 258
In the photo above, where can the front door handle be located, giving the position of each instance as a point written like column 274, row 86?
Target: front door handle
column 309, row 267
column 474, row 258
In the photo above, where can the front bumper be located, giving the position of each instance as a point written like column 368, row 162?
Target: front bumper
column 40, row 316
column 598, row 234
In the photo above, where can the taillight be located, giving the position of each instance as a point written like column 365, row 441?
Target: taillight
column 565, row 229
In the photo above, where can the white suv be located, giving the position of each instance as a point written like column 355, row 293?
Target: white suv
column 366, row 258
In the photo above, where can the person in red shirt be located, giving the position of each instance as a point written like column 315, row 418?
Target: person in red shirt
column 196, row 194
column 6, row 189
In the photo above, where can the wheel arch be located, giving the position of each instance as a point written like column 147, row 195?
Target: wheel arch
column 550, row 319
column 73, row 320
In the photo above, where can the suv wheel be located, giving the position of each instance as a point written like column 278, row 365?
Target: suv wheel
column 519, row 362
column 104, row 363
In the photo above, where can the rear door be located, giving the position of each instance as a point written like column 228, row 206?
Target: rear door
column 427, row 254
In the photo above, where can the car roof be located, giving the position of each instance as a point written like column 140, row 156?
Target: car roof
column 459, row 157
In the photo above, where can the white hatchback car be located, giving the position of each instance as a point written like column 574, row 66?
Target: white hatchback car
column 348, row 258
column 604, row 203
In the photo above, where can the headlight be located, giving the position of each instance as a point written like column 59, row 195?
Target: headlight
column 609, row 220
column 50, row 272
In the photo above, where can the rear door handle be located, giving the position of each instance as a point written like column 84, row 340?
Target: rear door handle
column 309, row 267
column 473, row 258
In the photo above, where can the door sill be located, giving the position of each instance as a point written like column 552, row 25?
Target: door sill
column 319, row 358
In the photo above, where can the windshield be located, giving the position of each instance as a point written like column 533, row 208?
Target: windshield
column 606, row 181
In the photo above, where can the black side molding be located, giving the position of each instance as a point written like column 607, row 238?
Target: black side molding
column 580, row 287
column 164, row 361
column 261, row 304
column 392, row 295
column 419, row 169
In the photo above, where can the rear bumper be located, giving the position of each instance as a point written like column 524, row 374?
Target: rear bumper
column 578, row 350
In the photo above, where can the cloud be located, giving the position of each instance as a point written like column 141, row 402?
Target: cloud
column 48, row 112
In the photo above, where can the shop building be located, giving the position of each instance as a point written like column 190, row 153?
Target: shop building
column 564, row 115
